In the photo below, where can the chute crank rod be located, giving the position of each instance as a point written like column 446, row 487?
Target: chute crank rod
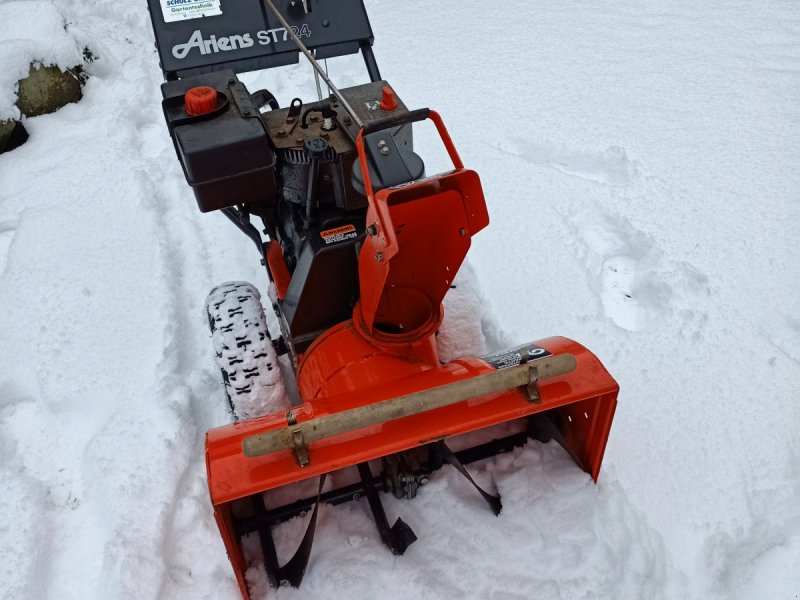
column 314, row 62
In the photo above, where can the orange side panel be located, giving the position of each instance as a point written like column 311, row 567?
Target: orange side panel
column 222, row 515
column 277, row 268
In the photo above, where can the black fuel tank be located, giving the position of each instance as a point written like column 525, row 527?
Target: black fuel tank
column 225, row 153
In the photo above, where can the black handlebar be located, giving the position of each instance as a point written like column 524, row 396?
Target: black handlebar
column 411, row 116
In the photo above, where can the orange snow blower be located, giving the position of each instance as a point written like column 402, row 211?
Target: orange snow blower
column 362, row 248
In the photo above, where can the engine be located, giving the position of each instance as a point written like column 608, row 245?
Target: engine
column 296, row 169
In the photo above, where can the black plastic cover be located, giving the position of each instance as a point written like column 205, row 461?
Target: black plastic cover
column 389, row 163
column 324, row 286
column 243, row 35
column 225, row 155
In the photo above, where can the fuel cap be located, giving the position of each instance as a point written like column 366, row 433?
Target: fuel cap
column 200, row 100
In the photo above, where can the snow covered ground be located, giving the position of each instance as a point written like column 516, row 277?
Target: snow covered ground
column 642, row 169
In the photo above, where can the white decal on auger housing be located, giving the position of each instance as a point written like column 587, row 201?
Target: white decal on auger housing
column 515, row 356
column 214, row 44
column 179, row 10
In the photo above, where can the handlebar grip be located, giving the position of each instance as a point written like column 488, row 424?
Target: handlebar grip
column 411, row 116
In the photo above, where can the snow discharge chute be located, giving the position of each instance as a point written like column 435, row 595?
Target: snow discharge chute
column 362, row 247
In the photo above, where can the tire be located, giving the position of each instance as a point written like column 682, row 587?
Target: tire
column 243, row 351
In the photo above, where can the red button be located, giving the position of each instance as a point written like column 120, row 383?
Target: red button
column 388, row 102
column 200, row 100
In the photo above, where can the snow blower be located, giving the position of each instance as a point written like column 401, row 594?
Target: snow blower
column 360, row 247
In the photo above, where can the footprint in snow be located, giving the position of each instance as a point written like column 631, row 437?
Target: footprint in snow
column 609, row 167
column 635, row 281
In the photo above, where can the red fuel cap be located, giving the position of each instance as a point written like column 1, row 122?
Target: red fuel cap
column 200, row 100
column 388, row 102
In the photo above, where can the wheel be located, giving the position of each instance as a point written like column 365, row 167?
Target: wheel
column 243, row 350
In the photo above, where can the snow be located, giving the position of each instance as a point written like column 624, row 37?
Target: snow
column 640, row 164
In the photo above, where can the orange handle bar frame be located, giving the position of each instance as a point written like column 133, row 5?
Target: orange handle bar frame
column 413, row 116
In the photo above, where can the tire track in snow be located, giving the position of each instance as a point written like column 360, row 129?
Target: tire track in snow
column 633, row 279
column 24, row 495
column 746, row 562
column 143, row 497
column 203, row 407
column 132, row 566
column 184, row 251
column 8, row 228
column 69, row 347
column 194, row 560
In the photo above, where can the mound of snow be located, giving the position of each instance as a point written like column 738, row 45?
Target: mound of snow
column 31, row 32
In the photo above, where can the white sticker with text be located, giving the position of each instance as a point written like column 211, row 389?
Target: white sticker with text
column 179, row 10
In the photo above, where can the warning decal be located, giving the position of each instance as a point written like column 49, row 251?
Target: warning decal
column 178, row 10
column 339, row 234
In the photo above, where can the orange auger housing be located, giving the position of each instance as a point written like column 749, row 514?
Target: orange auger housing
column 373, row 387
